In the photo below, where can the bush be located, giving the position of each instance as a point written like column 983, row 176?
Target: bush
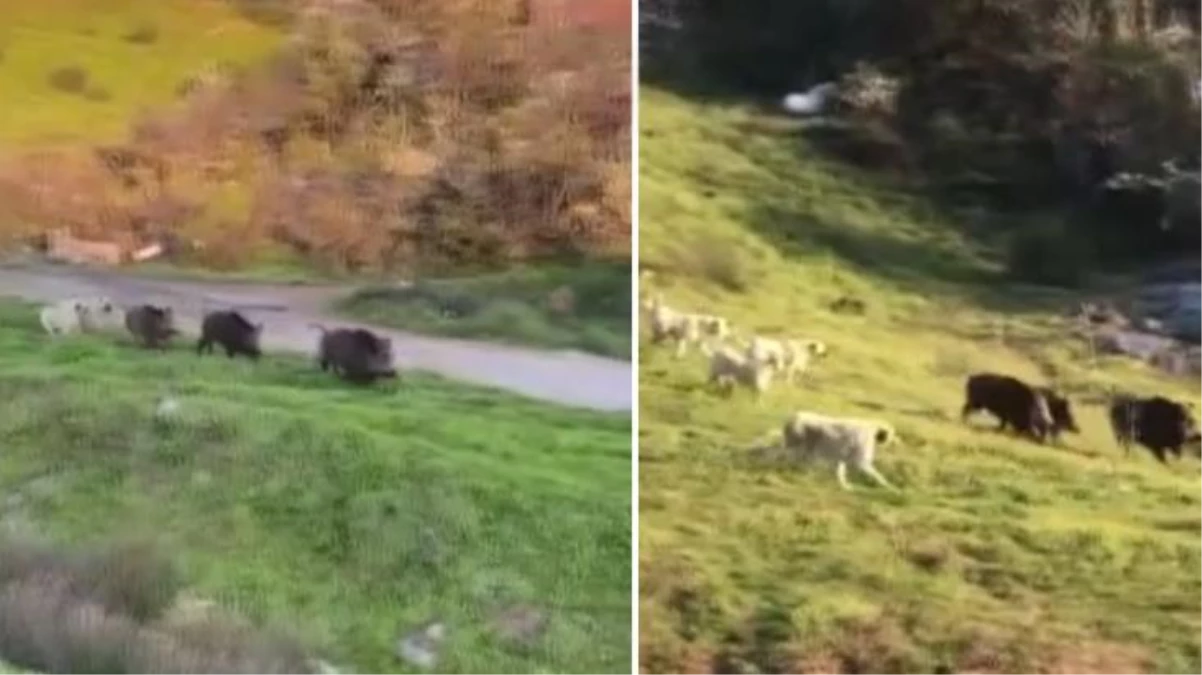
column 602, row 290
column 1048, row 255
column 69, row 79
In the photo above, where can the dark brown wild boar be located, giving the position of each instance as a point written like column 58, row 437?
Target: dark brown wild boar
column 152, row 326
column 1014, row 402
column 234, row 332
column 355, row 354
column 1161, row 425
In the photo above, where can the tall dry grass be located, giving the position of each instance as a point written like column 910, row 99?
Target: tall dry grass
column 119, row 610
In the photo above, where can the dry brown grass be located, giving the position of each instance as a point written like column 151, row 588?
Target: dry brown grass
column 129, row 578
column 386, row 132
column 117, row 611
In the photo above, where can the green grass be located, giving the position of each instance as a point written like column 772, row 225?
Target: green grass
column 997, row 555
column 126, row 72
column 348, row 514
column 513, row 307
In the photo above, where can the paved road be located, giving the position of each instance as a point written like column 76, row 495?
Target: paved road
column 564, row 377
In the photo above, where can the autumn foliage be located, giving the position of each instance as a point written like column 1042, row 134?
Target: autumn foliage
column 389, row 135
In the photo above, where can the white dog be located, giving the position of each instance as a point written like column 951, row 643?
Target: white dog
column 730, row 367
column 792, row 357
column 808, row 435
column 82, row 315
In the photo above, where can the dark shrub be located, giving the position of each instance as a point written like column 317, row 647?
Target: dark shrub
column 603, row 290
column 1047, row 256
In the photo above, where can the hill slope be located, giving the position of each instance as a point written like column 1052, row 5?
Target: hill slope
column 998, row 555
column 351, row 514
column 132, row 53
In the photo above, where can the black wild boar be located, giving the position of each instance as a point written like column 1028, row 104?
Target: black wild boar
column 150, row 325
column 232, row 331
column 1014, row 402
column 355, row 354
column 1159, row 424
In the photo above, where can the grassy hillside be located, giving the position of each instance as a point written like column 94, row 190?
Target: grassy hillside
column 353, row 515
column 997, row 555
column 134, row 54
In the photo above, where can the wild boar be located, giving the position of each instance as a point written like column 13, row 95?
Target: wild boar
column 234, row 332
column 355, row 354
column 1159, row 424
column 152, row 326
column 1014, row 402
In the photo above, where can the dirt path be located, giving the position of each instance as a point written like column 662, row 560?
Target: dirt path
column 566, row 377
